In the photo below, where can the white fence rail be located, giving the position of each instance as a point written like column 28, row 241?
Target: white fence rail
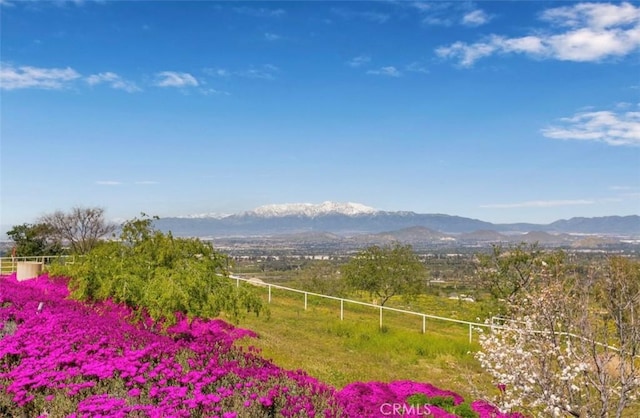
column 491, row 326
column 380, row 308
column 495, row 319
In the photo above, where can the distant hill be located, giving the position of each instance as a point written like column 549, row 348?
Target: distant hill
column 543, row 237
column 411, row 235
column 602, row 225
column 484, row 236
column 354, row 219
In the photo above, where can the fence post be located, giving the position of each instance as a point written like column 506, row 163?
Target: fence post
column 380, row 317
column 305, row 301
column 269, row 293
column 237, row 281
column 470, row 331
column 424, row 324
column 341, row 309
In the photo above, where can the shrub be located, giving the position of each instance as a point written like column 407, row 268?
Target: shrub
column 159, row 275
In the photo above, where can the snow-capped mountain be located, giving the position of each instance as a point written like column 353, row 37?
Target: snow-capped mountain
column 312, row 210
column 211, row 215
column 349, row 219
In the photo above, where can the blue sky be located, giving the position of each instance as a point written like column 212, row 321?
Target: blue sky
column 502, row 111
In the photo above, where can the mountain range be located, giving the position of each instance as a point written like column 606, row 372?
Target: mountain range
column 353, row 219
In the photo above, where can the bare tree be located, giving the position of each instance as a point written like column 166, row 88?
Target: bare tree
column 80, row 229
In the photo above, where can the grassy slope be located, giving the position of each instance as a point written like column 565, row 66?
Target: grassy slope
column 339, row 352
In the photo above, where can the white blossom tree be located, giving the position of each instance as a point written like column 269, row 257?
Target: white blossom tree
column 571, row 347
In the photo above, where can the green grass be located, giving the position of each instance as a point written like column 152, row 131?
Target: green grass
column 339, row 352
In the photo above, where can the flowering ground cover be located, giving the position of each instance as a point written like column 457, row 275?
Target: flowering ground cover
column 60, row 358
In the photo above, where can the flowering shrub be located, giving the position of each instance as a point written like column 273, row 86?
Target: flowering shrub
column 70, row 358
column 377, row 399
column 570, row 347
column 59, row 357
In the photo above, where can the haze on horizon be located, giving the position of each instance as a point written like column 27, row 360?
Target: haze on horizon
column 498, row 111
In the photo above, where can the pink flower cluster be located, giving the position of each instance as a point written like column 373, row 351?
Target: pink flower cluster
column 104, row 364
column 377, row 399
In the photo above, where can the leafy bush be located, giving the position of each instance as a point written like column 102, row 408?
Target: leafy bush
column 444, row 402
column 160, row 275
column 417, row 399
column 464, row 410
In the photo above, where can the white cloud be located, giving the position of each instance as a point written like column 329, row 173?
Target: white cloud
column 101, row 78
column 475, row 18
column 525, row 44
column 359, row 61
column 602, row 126
column 595, row 15
column 587, row 44
column 466, row 54
column 389, row 71
column 434, row 13
column 264, row 72
column 113, row 80
column 272, row 36
column 627, row 190
column 175, row 79
column 624, row 105
column 584, row 32
column 217, row 72
column 448, row 13
column 214, row 92
column 416, row 68
column 539, row 204
column 24, row 77
column 108, row 183
column 437, row 21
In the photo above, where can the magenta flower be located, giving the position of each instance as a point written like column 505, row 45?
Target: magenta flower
column 78, row 350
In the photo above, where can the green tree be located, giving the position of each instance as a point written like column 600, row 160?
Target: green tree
column 507, row 272
column 386, row 271
column 34, row 240
column 158, row 274
column 80, row 228
column 322, row 276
